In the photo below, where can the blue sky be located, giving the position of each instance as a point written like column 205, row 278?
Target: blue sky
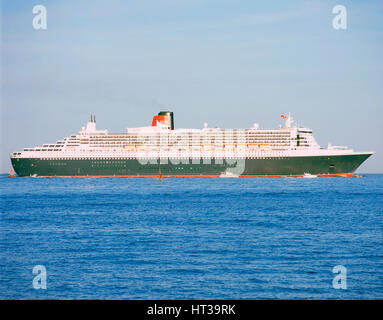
column 229, row 63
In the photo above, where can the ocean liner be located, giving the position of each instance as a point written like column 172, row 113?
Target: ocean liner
column 161, row 150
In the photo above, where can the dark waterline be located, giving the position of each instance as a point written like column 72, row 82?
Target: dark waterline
column 256, row 238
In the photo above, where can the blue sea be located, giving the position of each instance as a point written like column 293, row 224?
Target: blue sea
column 199, row 238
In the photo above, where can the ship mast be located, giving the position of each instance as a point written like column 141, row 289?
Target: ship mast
column 289, row 121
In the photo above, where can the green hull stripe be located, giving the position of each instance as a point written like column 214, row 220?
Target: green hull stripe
column 341, row 164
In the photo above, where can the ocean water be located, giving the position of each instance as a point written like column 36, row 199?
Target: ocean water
column 200, row 238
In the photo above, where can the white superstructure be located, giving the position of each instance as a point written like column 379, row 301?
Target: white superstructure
column 161, row 141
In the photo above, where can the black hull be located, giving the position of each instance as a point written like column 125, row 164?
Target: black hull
column 276, row 166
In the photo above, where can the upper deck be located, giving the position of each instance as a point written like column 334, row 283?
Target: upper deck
column 162, row 140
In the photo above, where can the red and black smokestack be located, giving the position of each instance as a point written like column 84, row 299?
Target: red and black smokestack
column 165, row 118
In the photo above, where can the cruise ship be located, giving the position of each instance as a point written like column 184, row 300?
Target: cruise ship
column 160, row 150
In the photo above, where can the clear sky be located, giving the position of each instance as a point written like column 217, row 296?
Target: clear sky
column 226, row 62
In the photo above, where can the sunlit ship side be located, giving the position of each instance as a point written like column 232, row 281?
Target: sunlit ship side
column 209, row 152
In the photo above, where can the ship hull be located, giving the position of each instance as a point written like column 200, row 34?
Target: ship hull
column 334, row 165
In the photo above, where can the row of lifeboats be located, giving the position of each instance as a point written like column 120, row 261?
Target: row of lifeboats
column 205, row 146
